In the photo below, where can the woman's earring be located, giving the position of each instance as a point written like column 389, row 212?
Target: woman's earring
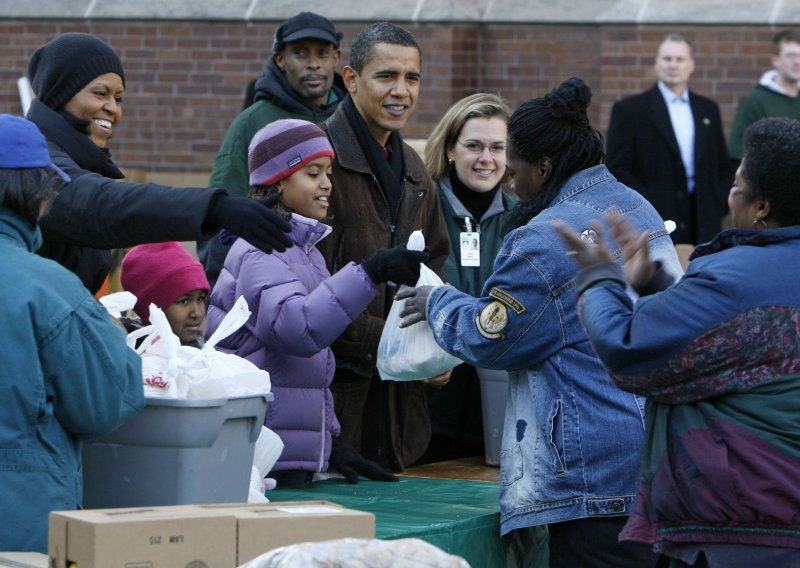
column 451, row 161
column 763, row 224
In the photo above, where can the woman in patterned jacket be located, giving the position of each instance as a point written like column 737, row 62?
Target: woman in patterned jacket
column 717, row 356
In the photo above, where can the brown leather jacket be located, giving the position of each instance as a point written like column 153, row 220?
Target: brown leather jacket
column 386, row 421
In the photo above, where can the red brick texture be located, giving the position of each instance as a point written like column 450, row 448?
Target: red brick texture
column 185, row 81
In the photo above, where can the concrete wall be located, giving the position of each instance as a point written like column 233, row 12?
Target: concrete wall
column 186, row 78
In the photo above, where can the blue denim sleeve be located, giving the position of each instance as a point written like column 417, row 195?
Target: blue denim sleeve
column 517, row 322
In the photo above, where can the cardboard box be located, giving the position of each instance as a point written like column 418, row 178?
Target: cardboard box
column 195, row 535
column 22, row 560
column 142, row 538
column 262, row 527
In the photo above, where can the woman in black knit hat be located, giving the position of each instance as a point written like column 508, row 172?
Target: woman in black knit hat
column 79, row 82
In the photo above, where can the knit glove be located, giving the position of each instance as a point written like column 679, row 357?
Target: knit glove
column 351, row 465
column 251, row 219
column 398, row 265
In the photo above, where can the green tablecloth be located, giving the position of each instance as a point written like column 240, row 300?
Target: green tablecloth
column 460, row 517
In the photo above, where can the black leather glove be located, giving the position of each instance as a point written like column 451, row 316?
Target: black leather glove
column 251, row 219
column 351, row 465
column 398, row 265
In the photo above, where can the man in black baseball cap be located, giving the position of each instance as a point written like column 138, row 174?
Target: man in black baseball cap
column 299, row 81
column 306, row 25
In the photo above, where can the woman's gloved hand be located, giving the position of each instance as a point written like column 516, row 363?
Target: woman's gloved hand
column 251, row 219
column 416, row 306
column 398, row 265
column 351, row 465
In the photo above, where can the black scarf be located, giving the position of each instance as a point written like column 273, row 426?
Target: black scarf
column 273, row 86
column 57, row 129
column 389, row 172
column 476, row 202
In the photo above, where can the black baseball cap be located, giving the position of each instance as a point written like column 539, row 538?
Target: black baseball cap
column 306, row 25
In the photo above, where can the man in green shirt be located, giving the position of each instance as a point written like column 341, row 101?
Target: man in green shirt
column 299, row 81
column 776, row 93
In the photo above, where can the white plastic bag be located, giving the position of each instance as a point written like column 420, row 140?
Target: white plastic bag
column 411, row 353
column 172, row 370
column 158, row 350
column 214, row 374
column 269, row 447
column 400, row 553
column 118, row 303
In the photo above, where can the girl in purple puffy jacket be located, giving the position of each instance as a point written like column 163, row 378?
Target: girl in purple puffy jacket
column 299, row 308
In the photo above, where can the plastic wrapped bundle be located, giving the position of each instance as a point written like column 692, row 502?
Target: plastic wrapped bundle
column 358, row 553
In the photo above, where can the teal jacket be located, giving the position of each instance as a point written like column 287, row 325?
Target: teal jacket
column 65, row 374
column 456, row 410
column 470, row 279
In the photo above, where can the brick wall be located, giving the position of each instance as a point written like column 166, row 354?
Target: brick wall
column 185, row 81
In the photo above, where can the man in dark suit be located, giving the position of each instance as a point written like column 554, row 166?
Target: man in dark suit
column 667, row 143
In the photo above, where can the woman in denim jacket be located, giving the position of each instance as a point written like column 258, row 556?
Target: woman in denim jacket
column 571, row 438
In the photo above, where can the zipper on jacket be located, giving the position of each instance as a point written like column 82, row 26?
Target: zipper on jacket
column 392, row 215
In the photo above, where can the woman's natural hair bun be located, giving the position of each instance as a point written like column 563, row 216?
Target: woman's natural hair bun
column 570, row 100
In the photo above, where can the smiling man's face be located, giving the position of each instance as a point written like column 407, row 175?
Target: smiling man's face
column 385, row 92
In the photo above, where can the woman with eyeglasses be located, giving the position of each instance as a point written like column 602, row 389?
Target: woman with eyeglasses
column 466, row 157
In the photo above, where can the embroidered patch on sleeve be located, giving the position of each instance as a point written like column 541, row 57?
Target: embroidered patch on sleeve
column 492, row 320
column 507, row 299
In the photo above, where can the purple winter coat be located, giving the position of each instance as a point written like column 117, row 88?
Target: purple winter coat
column 298, row 309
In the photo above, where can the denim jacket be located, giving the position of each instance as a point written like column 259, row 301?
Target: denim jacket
column 571, row 438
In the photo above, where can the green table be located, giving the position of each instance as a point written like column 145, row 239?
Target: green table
column 460, row 517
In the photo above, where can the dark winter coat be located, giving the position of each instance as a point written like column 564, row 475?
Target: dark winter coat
column 390, row 418
column 643, row 154
column 96, row 212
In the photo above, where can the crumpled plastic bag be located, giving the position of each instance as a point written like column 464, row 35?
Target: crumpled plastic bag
column 118, row 303
column 358, row 553
column 172, row 370
column 411, row 353
column 267, row 451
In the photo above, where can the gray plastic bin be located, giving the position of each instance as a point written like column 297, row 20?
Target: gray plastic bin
column 176, row 452
column 494, row 392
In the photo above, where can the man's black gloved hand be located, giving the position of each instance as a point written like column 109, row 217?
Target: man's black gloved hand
column 351, row 465
column 251, row 219
column 398, row 265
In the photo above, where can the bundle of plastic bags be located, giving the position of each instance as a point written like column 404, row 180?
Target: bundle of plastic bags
column 358, row 552
column 172, row 370
column 411, row 353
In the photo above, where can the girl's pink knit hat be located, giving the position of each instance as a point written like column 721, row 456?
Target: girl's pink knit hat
column 160, row 274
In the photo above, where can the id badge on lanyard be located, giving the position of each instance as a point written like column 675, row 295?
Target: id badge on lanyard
column 470, row 244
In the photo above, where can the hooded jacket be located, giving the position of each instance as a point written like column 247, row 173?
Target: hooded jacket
column 275, row 99
column 298, row 309
column 721, row 453
column 96, row 211
column 65, row 374
column 395, row 416
column 767, row 99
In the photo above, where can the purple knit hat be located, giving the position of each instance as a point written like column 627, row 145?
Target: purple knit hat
column 160, row 274
column 283, row 147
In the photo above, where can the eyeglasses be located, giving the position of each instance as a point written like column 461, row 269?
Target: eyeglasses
column 475, row 147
